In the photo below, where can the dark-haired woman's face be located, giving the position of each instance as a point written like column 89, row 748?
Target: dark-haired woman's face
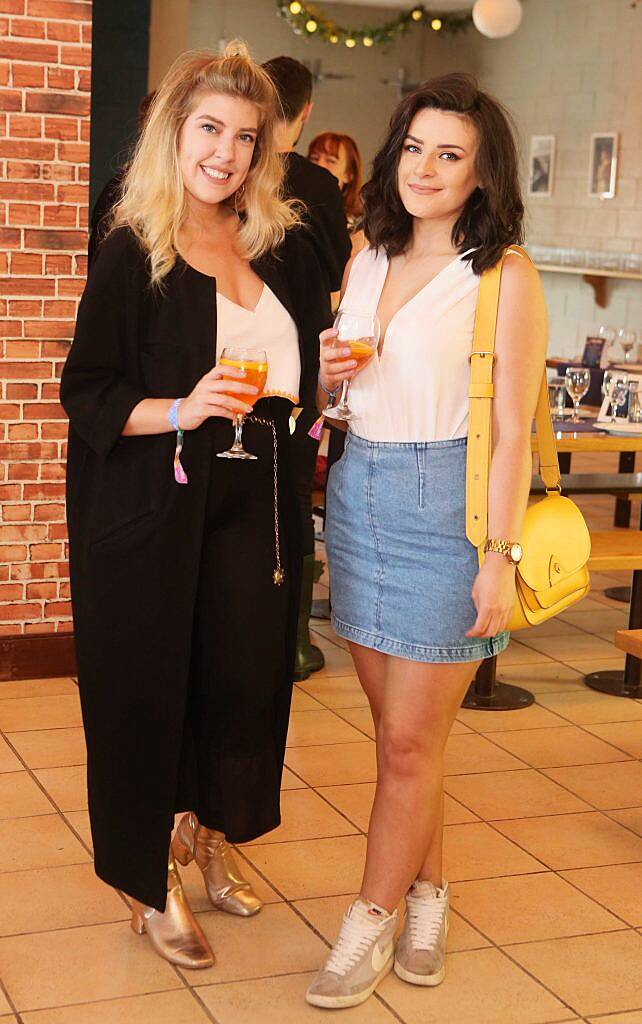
column 436, row 172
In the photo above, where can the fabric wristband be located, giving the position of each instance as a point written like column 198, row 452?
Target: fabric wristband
column 172, row 415
column 180, row 475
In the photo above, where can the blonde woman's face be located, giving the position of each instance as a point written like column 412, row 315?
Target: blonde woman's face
column 436, row 172
column 215, row 146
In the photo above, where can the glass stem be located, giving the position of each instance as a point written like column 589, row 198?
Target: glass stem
column 238, row 432
column 576, row 413
column 344, row 394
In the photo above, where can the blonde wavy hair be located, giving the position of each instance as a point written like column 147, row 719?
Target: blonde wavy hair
column 154, row 203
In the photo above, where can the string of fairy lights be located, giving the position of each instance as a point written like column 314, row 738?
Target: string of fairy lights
column 308, row 20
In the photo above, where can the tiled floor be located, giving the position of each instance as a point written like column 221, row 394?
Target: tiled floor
column 543, row 850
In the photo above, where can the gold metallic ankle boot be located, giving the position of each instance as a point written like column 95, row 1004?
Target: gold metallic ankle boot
column 225, row 885
column 176, row 934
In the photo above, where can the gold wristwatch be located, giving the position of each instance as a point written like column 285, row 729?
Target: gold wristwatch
column 511, row 549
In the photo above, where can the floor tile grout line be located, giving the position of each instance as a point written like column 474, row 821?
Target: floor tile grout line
column 58, row 810
column 622, row 824
column 195, row 994
column 5, row 992
column 95, row 1002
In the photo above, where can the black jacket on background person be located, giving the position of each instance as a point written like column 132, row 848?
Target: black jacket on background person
column 101, row 214
column 319, row 190
column 136, row 535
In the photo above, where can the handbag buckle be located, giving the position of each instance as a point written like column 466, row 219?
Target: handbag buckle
column 483, row 352
column 558, row 488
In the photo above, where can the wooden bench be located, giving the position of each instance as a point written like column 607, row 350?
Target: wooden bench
column 611, row 550
column 629, row 640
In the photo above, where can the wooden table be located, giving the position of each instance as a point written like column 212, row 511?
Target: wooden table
column 568, row 443
column 595, row 442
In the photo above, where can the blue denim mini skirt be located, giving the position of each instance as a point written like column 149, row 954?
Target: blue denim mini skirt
column 401, row 566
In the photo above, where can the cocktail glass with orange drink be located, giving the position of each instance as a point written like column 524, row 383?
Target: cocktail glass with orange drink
column 360, row 333
column 253, row 362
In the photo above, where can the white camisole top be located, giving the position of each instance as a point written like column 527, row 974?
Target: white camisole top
column 417, row 390
column 268, row 326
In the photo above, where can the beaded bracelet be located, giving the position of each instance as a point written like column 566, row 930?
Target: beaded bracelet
column 332, row 393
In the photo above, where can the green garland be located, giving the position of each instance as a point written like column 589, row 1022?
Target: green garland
column 307, row 20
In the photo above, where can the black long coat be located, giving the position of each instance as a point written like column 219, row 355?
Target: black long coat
column 135, row 535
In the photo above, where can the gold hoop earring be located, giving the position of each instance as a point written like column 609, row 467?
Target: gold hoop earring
column 239, row 194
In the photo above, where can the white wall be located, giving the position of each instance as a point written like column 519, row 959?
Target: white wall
column 360, row 106
column 572, row 68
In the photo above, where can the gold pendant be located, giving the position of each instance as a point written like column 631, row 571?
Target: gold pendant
column 278, row 577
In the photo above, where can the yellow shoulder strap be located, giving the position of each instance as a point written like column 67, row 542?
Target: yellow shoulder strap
column 482, row 358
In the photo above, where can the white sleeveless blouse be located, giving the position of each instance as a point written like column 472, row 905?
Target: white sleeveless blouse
column 268, row 326
column 417, row 390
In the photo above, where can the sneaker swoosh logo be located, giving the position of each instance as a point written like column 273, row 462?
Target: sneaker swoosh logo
column 379, row 958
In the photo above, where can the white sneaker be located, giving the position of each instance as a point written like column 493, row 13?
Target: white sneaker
column 420, row 956
column 362, row 955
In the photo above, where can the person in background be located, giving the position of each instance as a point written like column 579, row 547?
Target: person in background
column 101, row 215
column 325, row 216
column 340, row 155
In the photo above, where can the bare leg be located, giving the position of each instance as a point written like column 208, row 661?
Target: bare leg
column 371, row 669
column 420, row 702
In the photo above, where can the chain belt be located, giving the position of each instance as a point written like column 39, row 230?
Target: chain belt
column 278, row 575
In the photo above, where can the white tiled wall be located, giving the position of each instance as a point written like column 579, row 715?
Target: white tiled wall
column 574, row 68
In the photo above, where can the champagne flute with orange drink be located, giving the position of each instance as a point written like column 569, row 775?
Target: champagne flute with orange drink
column 360, row 333
column 253, row 362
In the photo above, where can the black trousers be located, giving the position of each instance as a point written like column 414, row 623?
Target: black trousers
column 243, row 640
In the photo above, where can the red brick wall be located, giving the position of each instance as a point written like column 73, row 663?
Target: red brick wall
column 45, row 61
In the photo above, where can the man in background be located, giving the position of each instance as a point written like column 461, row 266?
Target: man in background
column 313, row 185
column 326, row 220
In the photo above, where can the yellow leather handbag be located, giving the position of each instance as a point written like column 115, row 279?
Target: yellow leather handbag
column 555, row 540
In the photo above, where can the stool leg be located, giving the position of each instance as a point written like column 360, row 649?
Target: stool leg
column 616, row 682
column 623, row 518
column 623, row 505
column 486, row 694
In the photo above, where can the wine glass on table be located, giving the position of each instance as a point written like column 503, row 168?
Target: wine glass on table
column 608, row 336
column 578, row 380
column 627, row 341
column 253, row 361
column 360, row 333
column 614, row 387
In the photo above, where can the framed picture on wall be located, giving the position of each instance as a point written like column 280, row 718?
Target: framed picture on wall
column 603, row 165
column 542, row 165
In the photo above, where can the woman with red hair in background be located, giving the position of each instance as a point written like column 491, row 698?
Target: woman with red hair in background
column 339, row 155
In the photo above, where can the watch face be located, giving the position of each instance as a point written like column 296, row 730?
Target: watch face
column 516, row 552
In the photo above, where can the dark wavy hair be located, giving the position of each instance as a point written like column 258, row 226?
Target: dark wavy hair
column 492, row 218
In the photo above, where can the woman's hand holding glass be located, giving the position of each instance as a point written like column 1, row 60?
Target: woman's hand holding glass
column 336, row 364
column 345, row 350
column 211, row 397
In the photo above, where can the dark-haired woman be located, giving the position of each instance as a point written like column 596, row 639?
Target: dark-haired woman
column 442, row 206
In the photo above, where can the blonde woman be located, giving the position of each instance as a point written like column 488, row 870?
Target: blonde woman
column 185, row 567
